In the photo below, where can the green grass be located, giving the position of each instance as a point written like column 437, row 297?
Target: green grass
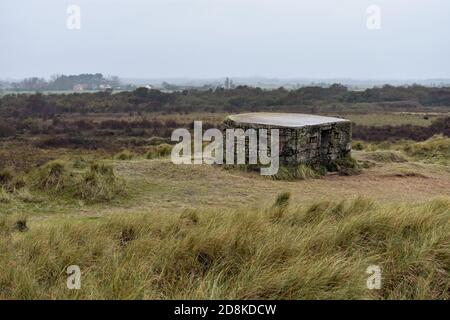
column 320, row 251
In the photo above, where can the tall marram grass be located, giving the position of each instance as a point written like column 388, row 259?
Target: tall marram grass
column 96, row 182
column 435, row 149
column 320, row 251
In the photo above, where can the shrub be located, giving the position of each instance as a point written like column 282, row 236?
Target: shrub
column 21, row 225
column 6, row 130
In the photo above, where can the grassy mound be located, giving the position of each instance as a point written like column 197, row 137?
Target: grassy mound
column 435, row 149
column 97, row 183
column 320, row 251
column 53, row 177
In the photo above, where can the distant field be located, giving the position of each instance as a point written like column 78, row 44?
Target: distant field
column 391, row 119
column 370, row 119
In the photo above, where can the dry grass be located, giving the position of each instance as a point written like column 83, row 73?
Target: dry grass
column 204, row 232
column 94, row 182
column 385, row 156
column 435, row 149
column 161, row 150
column 319, row 251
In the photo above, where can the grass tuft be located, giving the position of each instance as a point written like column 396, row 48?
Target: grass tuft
column 280, row 206
column 98, row 183
column 435, row 149
column 53, row 176
column 300, row 172
column 162, row 150
column 124, row 155
column 347, row 166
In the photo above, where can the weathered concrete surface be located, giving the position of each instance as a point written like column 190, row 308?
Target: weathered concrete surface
column 286, row 120
column 308, row 139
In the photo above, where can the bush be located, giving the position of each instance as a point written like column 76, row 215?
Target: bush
column 6, row 130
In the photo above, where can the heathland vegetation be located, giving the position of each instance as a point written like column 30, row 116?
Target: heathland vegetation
column 85, row 180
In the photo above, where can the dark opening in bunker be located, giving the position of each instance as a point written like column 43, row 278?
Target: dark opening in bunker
column 325, row 139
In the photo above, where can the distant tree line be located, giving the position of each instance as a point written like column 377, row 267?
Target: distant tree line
column 67, row 82
column 241, row 98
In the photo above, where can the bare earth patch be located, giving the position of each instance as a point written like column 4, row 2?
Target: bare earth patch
column 159, row 184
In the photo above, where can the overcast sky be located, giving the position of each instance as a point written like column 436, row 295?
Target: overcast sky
column 216, row 38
